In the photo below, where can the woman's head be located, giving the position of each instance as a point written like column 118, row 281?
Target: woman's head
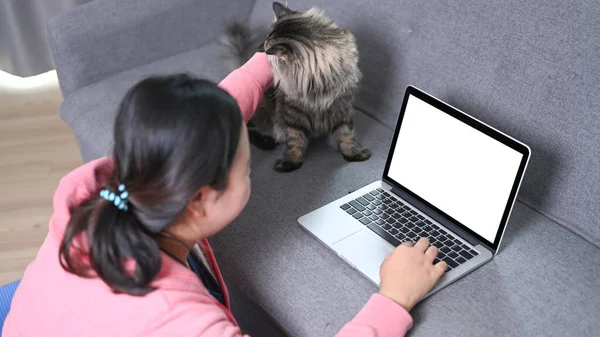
column 181, row 150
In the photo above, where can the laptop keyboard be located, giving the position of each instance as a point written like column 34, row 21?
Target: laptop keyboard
column 397, row 222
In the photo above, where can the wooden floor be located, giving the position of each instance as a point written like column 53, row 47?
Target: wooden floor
column 36, row 150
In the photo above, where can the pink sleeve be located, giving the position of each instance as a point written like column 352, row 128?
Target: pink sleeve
column 193, row 317
column 380, row 317
column 248, row 83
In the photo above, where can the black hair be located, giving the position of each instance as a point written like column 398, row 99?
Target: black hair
column 172, row 136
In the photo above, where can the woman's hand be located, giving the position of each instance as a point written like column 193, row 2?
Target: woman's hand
column 408, row 273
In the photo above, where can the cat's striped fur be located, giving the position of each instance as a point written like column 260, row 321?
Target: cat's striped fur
column 315, row 66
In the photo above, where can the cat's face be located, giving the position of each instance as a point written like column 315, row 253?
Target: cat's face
column 295, row 35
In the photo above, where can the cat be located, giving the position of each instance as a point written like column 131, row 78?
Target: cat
column 316, row 76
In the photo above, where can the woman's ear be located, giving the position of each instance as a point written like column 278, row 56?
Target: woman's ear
column 202, row 202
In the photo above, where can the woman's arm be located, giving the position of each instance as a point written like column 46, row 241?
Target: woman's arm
column 248, row 83
column 380, row 317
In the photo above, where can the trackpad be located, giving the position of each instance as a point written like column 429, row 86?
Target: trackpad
column 365, row 251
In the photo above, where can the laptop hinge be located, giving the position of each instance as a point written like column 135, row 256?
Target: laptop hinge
column 436, row 216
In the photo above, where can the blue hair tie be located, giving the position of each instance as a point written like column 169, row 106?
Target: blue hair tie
column 119, row 200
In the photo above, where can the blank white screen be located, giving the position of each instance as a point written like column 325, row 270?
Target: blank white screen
column 461, row 171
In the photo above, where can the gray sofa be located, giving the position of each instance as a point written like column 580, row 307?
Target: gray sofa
column 529, row 68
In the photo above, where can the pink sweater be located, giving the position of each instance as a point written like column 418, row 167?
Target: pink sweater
column 51, row 302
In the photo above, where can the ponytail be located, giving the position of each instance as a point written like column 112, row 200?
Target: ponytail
column 172, row 136
column 110, row 243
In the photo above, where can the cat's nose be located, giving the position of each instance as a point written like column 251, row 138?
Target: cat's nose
column 261, row 48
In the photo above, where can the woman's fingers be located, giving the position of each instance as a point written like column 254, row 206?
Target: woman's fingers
column 440, row 268
column 431, row 253
column 422, row 245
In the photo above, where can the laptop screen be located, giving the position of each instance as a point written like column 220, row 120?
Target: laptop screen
column 455, row 167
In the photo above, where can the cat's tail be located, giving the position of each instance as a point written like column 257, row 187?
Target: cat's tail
column 239, row 44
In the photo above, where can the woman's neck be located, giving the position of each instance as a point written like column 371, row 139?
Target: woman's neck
column 175, row 247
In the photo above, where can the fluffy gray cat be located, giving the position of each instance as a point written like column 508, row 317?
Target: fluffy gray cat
column 315, row 66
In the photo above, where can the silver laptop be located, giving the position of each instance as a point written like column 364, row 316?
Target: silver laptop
column 448, row 177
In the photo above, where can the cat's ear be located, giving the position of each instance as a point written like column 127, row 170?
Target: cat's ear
column 278, row 50
column 280, row 10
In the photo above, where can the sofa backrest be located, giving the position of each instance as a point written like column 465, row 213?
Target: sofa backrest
column 155, row 29
column 529, row 68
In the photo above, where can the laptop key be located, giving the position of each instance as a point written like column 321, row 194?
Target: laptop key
column 431, row 223
column 356, row 205
column 410, row 225
column 368, row 197
column 451, row 262
column 445, row 250
column 372, row 207
column 434, row 233
column 438, row 244
column 441, row 255
column 366, row 212
column 373, row 217
column 413, row 212
column 365, row 221
column 386, row 226
column 436, row 260
column 358, row 215
column 473, row 252
column 456, row 248
column 375, row 192
column 385, row 235
column 377, row 202
column 404, row 230
column 401, row 237
column 384, row 215
column 376, row 211
column 351, row 211
column 413, row 219
column 411, row 235
column 393, row 231
column 453, row 255
column 380, row 190
column 345, row 206
column 380, row 222
column 397, row 225
column 420, row 217
column 449, row 269
column 403, row 220
column 419, row 224
column 461, row 260
column 466, row 255
column 396, row 216
column 362, row 201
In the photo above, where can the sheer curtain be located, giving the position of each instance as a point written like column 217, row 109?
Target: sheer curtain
column 23, row 48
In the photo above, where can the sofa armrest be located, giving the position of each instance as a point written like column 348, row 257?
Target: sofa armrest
column 104, row 37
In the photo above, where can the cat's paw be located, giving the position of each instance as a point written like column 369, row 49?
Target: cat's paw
column 361, row 155
column 282, row 165
column 261, row 141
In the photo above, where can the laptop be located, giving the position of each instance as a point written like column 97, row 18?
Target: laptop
column 448, row 177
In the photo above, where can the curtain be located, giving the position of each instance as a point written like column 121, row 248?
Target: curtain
column 24, row 51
